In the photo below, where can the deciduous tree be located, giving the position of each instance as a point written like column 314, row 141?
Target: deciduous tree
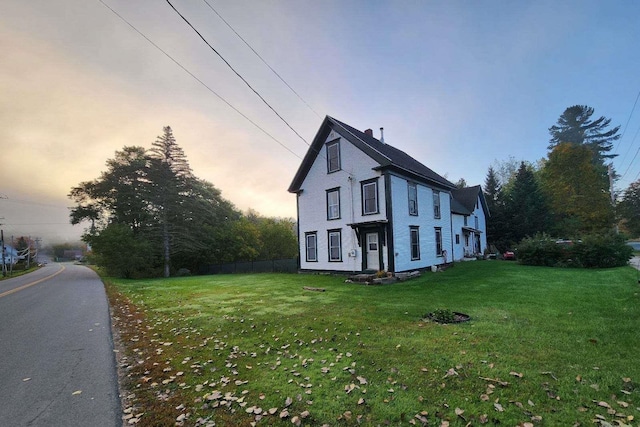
column 576, row 190
column 629, row 209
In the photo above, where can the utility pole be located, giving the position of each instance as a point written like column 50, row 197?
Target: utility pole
column 38, row 240
column 613, row 198
column 4, row 270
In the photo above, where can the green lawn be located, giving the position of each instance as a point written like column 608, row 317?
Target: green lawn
column 545, row 346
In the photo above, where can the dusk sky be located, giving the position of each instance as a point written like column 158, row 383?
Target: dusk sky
column 458, row 85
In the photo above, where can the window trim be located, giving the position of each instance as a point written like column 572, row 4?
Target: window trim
column 438, row 237
column 329, row 145
column 329, row 247
column 414, row 230
column 412, row 186
column 307, row 235
column 329, row 217
column 437, row 210
column 363, row 184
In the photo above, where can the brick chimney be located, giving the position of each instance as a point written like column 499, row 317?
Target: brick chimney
column 369, row 132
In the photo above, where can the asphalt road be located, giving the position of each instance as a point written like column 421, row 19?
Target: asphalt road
column 57, row 366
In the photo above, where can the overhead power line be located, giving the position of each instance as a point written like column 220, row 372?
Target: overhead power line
column 630, row 114
column 634, row 157
column 200, row 81
column 624, row 131
column 261, row 58
column 236, row 72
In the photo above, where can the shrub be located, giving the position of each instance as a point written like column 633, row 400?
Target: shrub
column 591, row 251
column 541, row 250
column 609, row 250
column 442, row 315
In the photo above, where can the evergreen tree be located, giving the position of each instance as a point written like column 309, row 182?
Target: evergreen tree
column 526, row 208
column 492, row 189
column 495, row 223
column 172, row 180
column 168, row 211
column 576, row 127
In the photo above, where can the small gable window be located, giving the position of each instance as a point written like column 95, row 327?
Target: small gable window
column 413, row 198
column 370, row 197
column 333, row 156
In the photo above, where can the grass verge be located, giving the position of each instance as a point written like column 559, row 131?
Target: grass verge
column 544, row 347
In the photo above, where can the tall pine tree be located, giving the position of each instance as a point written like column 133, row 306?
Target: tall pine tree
column 575, row 126
column 493, row 196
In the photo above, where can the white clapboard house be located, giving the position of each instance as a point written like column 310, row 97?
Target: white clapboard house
column 364, row 205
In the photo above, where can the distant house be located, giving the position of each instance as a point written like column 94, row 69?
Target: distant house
column 469, row 213
column 364, row 205
column 11, row 256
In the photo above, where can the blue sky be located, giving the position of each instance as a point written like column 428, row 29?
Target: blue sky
column 458, row 85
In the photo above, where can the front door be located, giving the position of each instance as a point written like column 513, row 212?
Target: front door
column 373, row 252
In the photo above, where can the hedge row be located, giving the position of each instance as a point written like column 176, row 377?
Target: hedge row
column 591, row 251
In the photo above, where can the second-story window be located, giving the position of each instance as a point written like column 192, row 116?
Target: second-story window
column 333, row 203
column 370, row 197
column 333, row 156
column 436, row 204
column 413, row 198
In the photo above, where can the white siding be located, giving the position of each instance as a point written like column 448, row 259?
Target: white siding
column 482, row 224
column 356, row 167
column 458, row 249
column 426, row 222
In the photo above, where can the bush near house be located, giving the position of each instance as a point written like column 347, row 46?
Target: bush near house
column 590, row 251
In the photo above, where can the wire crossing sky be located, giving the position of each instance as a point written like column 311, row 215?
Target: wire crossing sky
column 458, row 85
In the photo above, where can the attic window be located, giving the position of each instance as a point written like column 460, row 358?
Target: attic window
column 333, row 156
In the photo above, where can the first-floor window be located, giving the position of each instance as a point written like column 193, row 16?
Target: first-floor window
column 335, row 246
column 457, row 239
column 438, row 241
column 311, row 246
column 415, row 243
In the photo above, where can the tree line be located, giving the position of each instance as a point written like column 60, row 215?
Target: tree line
column 149, row 215
column 567, row 194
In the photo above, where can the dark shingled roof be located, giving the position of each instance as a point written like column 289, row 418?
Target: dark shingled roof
column 386, row 155
column 466, row 199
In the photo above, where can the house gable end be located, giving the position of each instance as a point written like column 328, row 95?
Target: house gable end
column 350, row 134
